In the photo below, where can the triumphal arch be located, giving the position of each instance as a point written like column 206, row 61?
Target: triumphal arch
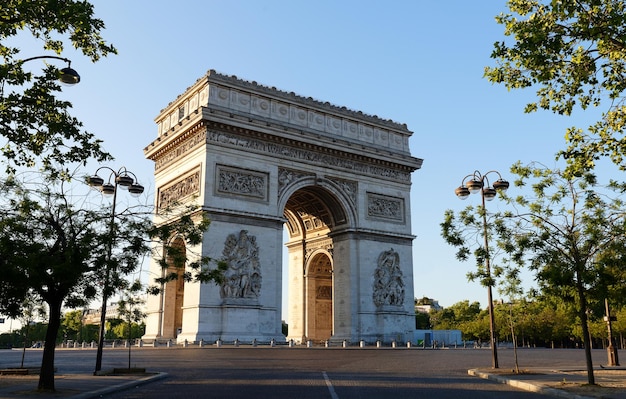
column 265, row 164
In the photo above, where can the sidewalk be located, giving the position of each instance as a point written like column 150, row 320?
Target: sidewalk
column 76, row 386
column 563, row 383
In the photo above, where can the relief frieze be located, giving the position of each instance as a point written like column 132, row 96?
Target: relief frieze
column 179, row 190
column 241, row 182
column 385, row 207
column 300, row 154
column 179, row 150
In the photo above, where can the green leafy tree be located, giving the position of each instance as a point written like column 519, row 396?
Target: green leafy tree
column 422, row 321
column 129, row 309
column 574, row 53
column 72, row 324
column 34, row 123
column 32, row 310
column 562, row 232
column 461, row 316
column 54, row 247
column 171, row 235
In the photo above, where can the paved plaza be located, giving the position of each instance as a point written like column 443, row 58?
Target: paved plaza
column 334, row 373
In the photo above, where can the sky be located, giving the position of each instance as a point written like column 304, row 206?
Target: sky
column 415, row 62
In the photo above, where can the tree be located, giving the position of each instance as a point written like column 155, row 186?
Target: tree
column 462, row 316
column 128, row 308
column 170, row 252
column 574, row 52
column 34, row 123
column 57, row 249
column 568, row 232
column 72, row 324
column 31, row 310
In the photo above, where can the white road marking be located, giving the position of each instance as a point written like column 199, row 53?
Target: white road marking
column 329, row 384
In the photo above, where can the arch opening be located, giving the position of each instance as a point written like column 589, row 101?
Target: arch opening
column 174, row 293
column 312, row 213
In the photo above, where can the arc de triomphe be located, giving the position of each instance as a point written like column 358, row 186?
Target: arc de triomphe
column 263, row 162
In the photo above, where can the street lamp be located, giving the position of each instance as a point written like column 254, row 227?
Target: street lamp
column 67, row 75
column 480, row 183
column 123, row 179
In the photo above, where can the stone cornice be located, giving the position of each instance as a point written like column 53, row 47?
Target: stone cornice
column 232, row 81
column 217, row 96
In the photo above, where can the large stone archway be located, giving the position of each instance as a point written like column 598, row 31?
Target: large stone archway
column 259, row 160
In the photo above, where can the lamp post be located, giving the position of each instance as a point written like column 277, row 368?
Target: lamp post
column 480, row 183
column 124, row 179
column 67, row 75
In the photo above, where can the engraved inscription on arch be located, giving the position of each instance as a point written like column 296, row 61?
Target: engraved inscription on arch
column 179, row 190
column 241, row 182
column 385, row 207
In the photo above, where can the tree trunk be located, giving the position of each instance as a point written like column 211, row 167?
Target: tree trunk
column 46, row 376
column 582, row 314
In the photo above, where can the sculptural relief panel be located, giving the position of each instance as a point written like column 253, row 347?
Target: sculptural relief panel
column 388, row 289
column 179, row 190
column 241, row 183
column 348, row 187
column 385, row 207
column 288, row 176
column 242, row 278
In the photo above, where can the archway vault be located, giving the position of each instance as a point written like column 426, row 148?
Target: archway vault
column 313, row 211
column 257, row 159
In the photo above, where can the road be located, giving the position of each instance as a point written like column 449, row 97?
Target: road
column 333, row 373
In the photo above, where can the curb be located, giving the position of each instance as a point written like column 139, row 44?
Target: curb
column 121, row 387
column 526, row 386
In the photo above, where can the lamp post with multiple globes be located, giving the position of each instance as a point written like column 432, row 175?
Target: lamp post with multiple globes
column 123, row 179
column 479, row 183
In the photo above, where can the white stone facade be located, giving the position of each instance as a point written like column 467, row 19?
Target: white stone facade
column 259, row 160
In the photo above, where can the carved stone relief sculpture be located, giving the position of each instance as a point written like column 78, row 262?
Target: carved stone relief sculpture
column 242, row 279
column 388, row 281
column 383, row 207
column 233, row 181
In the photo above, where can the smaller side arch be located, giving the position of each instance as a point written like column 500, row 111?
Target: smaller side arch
column 319, row 287
column 173, row 291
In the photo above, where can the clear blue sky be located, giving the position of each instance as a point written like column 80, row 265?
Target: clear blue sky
column 415, row 62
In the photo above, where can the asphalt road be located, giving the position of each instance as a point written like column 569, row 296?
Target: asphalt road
column 319, row 373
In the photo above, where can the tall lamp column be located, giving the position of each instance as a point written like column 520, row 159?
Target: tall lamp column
column 117, row 179
column 480, row 183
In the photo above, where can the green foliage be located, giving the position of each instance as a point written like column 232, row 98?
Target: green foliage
column 53, row 248
column 570, row 233
column 35, row 124
column 574, row 52
column 174, row 239
column 467, row 229
column 72, row 324
column 465, row 316
column 422, row 321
